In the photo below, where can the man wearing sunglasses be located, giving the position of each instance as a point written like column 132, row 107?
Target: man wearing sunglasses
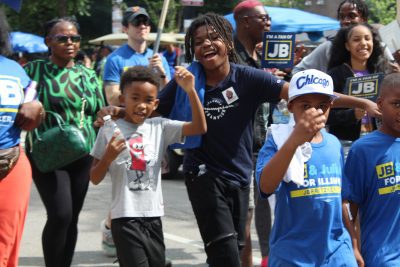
column 136, row 24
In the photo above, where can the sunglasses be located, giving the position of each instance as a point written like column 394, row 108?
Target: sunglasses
column 141, row 20
column 263, row 17
column 62, row 39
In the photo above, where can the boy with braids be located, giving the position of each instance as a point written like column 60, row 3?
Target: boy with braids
column 218, row 164
column 218, row 169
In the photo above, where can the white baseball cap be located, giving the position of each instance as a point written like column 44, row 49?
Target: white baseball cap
column 311, row 81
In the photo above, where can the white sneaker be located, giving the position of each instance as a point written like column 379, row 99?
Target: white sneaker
column 107, row 242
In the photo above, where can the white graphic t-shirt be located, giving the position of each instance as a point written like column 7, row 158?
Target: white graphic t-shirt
column 136, row 185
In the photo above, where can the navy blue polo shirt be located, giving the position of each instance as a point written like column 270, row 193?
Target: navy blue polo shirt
column 226, row 148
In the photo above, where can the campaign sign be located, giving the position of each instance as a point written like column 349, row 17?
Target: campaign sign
column 365, row 87
column 278, row 50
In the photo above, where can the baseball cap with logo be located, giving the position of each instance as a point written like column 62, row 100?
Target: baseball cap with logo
column 131, row 13
column 311, row 81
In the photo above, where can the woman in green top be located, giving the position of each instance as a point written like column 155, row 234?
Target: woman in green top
column 72, row 91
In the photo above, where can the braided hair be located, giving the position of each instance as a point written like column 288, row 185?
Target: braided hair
column 360, row 5
column 49, row 25
column 221, row 26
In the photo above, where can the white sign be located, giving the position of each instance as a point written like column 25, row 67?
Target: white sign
column 192, row 2
column 390, row 35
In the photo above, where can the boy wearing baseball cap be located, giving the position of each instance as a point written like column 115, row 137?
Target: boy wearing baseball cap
column 302, row 164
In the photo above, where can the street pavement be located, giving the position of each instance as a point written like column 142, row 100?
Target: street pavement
column 183, row 243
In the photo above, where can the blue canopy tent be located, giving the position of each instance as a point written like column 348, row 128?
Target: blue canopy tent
column 27, row 43
column 296, row 21
column 14, row 4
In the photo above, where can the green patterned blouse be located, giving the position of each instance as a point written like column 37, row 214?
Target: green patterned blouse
column 68, row 91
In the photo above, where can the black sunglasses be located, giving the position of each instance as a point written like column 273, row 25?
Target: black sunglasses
column 62, row 39
column 140, row 20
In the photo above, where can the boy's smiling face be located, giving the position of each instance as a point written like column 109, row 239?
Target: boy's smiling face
column 304, row 102
column 140, row 100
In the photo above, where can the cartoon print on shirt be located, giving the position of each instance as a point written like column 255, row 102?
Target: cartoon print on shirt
column 138, row 179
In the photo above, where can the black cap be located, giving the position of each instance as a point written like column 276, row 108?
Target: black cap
column 131, row 13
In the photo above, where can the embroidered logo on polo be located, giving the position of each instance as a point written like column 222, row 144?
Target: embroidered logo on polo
column 389, row 177
column 322, row 181
column 215, row 108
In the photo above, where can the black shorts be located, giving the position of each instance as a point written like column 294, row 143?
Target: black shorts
column 139, row 241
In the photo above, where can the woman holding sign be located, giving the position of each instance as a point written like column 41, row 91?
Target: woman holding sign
column 218, row 164
column 356, row 52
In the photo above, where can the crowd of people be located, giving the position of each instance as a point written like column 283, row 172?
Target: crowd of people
column 331, row 209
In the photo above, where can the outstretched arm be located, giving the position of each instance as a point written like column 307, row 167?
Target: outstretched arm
column 198, row 125
column 346, row 101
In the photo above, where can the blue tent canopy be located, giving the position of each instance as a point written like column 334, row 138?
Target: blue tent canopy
column 15, row 4
column 27, row 42
column 296, row 21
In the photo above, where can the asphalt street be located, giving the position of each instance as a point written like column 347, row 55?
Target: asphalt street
column 182, row 239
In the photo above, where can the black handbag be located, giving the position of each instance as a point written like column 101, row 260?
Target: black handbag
column 58, row 146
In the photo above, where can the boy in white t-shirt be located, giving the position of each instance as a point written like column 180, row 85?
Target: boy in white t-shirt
column 137, row 202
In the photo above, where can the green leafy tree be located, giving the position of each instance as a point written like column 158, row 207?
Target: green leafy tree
column 381, row 11
column 33, row 13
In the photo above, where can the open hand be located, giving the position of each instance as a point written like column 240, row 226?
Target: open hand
column 372, row 109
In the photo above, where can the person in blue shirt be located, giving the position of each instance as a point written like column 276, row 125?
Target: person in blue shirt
column 218, row 165
column 19, row 110
column 136, row 24
column 371, row 184
column 302, row 164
